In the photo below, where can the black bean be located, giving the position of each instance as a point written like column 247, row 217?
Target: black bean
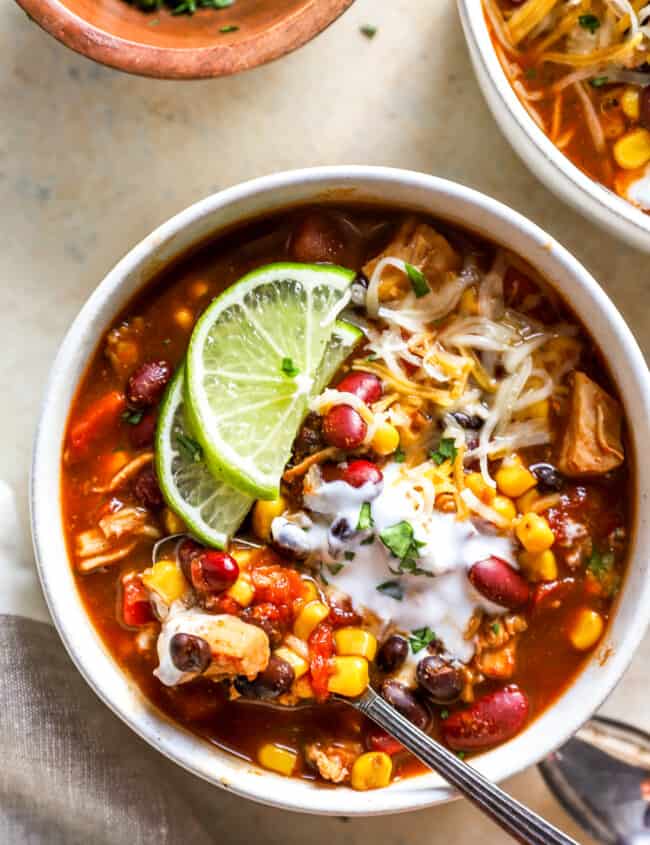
column 442, row 681
column 341, row 529
column 147, row 489
column 406, row 703
column 275, row 680
column 644, row 107
column 473, row 421
column 146, row 385
column 274, row 632
column 549, row 479
column 392, row 653
column 190, row 653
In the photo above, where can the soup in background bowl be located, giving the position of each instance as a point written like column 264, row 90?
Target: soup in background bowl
column 454, row 504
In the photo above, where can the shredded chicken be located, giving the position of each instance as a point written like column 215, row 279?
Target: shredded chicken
column 122, row 345
column 95, row 546
column 334, row 760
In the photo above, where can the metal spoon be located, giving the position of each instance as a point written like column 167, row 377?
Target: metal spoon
column 601, row 776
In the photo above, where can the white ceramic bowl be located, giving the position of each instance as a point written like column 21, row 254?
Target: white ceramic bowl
column 547, row 162
column 394, row 187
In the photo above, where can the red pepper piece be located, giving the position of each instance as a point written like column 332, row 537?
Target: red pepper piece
column 95, row 421
column 136, row 608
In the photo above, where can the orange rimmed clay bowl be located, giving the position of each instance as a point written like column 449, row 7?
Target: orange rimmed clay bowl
column 165, row 46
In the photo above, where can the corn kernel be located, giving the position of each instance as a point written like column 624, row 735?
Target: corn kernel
column 297, row 663
column 633, row 149
column 277, row 759
column 385, row 439
column 479, row 487
column 350, row 676
column 311, row 614
column 242, row 556
column 540, row 566
column 242, row 591
column 513, row 479
column 534, row 532
column 173, row 523
column 587, row 629
column 309, row 590
column 264, row 513
column 630, row 103
column 302, row 688
column 166, row 579
column 371, row 770
column 526, row 502
column 184, row 318
column 505, row 507
column 469, row 301
column 355, row 641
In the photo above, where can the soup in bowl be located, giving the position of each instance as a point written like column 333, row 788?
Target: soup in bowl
column 352, row 431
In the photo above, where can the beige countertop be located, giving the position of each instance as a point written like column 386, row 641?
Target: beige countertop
column 91, row 160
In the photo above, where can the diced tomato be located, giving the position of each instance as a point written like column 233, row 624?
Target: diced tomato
column 95, row 421
column 136, row 608
column 321, row 650
column 550, row 594
column 379, row 740
column 276, row 584
column 227, row 604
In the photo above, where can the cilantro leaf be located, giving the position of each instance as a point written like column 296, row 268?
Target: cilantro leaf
column 231, row 28
column 391, row 588
column 418, row 281
column 335, row 568
column 289, row 368
column 365, row 517
column 348, row 555
column 368, row 30
column 598, row 81
column 589, row 22
column 421, row 638
column 399, row 455
column 399, row 539
column 132, row 417
column 446, row 451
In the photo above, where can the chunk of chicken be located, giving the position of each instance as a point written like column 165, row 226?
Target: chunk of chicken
column 237, row 648
column 498, row 663
column 420, row 245
column 334, row 760
column 592, row 440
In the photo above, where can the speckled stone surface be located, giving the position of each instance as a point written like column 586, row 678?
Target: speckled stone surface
column 91, row 160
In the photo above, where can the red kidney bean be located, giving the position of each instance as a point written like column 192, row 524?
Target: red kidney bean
column 344, row 428
column 322, row 238
column 341, row 611
column 492, row 719
column 439, row 679
column 406, row 702
column 146, row 489
column 146, row 385
column 136, row 608
column 364, row 385
column 187, row 551
column 498, row 582
column 190, row 653
column 644, row 107
column 142, row 434
column 550, row 594
column 213, row 572
column 393, row 653
column 358, row 473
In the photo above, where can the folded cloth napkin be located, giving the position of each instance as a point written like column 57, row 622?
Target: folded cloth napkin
column 71, row 772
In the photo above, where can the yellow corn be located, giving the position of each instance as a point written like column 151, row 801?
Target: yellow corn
column 479, row 487
column 505, row 507
column 311, row 614
column 633, row 149
column 534, row 532
column 385, row 439
column 173, row 524
column 302, row 688
column 355, row 641
column 513, row 479
column 184, row 318
column 371, row 770
column 350, row 676
column 277, row 759
column 309, row 590
column 166, row 579
column 526, row 502
column 469, row 301
column 242, row 556
column 297, row 663
column 630, row 103
column 264, row 513
column 587, row 629
column 540, row 566
column 242, row 591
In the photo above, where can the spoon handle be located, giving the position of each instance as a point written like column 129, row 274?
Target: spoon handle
column 521, row 823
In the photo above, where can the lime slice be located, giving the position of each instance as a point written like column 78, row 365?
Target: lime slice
column 251, row 365
column 211, row 509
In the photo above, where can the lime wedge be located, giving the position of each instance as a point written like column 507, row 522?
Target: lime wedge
column 251, row 367
column 211, row 509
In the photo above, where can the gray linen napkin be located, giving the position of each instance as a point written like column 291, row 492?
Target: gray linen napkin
column 70, row 772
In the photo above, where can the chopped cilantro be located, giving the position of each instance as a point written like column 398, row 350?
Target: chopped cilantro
column 401, row 543
column 368, row 540
column 589, row 22
column 418, row 282
column 598, row 81
column 391, row 588
column 446, row 451
column 320, row 572
column 495, row 627
column 399, row 455
column 602, row 566
column 289, row 368
column 191, row 450
column 335, row 568
column 460, row 755
column 372, row 357
column 348, row 555
column 132, row 417
column 421, row 638
column 231, row 28
column 365, row 517
column 531, row 73
column 444, row 714
column 368, row 30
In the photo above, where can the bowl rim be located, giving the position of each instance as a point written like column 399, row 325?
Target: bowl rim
column 219, row 59
column 550, row 165
column 83, row 642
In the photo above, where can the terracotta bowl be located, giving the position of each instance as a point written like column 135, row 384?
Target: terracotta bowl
column 186, row 46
